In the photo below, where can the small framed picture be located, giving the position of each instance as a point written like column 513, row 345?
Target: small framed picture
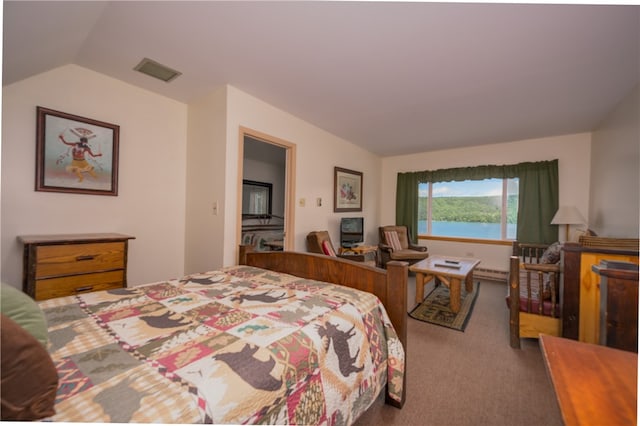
column 347, row 190
column 76, row 154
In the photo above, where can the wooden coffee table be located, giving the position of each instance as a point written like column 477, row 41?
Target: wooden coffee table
column 451, row 271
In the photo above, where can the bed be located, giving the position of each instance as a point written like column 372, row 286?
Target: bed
column 534, row 281
column 263, row 232
column 282, row 337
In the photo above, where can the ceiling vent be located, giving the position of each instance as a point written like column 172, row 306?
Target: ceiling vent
column 154, row 69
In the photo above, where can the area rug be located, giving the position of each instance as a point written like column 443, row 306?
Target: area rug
column 435, row 308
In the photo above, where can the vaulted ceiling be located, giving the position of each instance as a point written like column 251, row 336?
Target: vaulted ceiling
column 392, row 77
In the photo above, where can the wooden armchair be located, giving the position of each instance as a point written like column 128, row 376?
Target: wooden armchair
column 396, row 245
column 320, row 242
column 534, row 285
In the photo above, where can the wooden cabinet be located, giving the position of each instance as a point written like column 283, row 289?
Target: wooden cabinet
column 618, row 305
column 581, row 289
column 63, row 265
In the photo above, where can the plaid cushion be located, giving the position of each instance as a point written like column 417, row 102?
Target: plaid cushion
column 393, row 240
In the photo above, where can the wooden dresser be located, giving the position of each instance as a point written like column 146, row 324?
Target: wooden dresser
column 618, row 304
column 581, row 294
column 63, row 265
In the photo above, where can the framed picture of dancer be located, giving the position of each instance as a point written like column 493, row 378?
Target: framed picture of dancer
column 76, row 154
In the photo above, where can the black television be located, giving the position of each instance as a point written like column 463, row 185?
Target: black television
column 351, row 231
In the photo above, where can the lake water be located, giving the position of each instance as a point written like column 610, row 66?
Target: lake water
column 466, row 229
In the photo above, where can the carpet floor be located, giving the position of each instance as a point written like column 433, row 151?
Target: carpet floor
column 471, row 378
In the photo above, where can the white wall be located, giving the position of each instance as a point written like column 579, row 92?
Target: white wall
column 205, row 182
column 175, row 162
column 572, row 152
column 318, row 152
column 615, row 171
column 151, row 193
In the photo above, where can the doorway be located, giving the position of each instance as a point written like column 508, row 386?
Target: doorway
column 266, row 170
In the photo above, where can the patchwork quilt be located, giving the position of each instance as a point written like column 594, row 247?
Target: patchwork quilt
column 241, row 345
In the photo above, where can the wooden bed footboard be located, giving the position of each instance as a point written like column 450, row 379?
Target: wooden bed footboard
column 390, row 285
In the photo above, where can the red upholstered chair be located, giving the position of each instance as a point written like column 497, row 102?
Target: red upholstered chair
column 396, row 245
column 320, row 242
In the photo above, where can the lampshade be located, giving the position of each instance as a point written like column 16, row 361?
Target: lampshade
column 568, row 215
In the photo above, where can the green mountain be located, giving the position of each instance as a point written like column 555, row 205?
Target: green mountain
column 469, row 209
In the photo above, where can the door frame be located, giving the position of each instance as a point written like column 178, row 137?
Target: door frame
column 289, row 182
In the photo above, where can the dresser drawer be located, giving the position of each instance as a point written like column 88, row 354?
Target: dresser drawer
column 66, row 264
column 70, row 285
column 57, row 260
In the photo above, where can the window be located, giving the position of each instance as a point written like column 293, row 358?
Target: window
column 483, row 209
column 256, row 198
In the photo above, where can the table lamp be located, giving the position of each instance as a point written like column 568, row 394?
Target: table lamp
column 567, row 215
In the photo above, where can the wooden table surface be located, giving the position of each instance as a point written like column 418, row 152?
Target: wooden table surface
column 358, row 249
column 594, row 385
column 439, row 265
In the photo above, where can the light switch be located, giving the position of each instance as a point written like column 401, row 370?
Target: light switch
column 214, row 208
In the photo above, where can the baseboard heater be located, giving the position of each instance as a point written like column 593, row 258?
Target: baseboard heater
column 491, row 274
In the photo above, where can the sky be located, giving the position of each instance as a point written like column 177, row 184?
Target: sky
column 468, row 188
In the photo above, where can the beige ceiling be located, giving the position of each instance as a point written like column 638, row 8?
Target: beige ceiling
column 395, row 78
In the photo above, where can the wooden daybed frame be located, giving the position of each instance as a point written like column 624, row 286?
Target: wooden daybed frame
column 390, row 285
column 579, row 286
column 530, row 322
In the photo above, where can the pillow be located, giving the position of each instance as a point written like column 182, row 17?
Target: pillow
column 393, row 240
column 29, row 379
column 24, row 310
column 327, row 249
column 551, row 254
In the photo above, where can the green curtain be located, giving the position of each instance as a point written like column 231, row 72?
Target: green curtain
column 538, row 195
column 466, row 173
column 407, row 203
column 537, row 202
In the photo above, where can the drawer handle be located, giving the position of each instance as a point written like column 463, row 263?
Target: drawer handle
column 83, row 289
column 85, row 257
